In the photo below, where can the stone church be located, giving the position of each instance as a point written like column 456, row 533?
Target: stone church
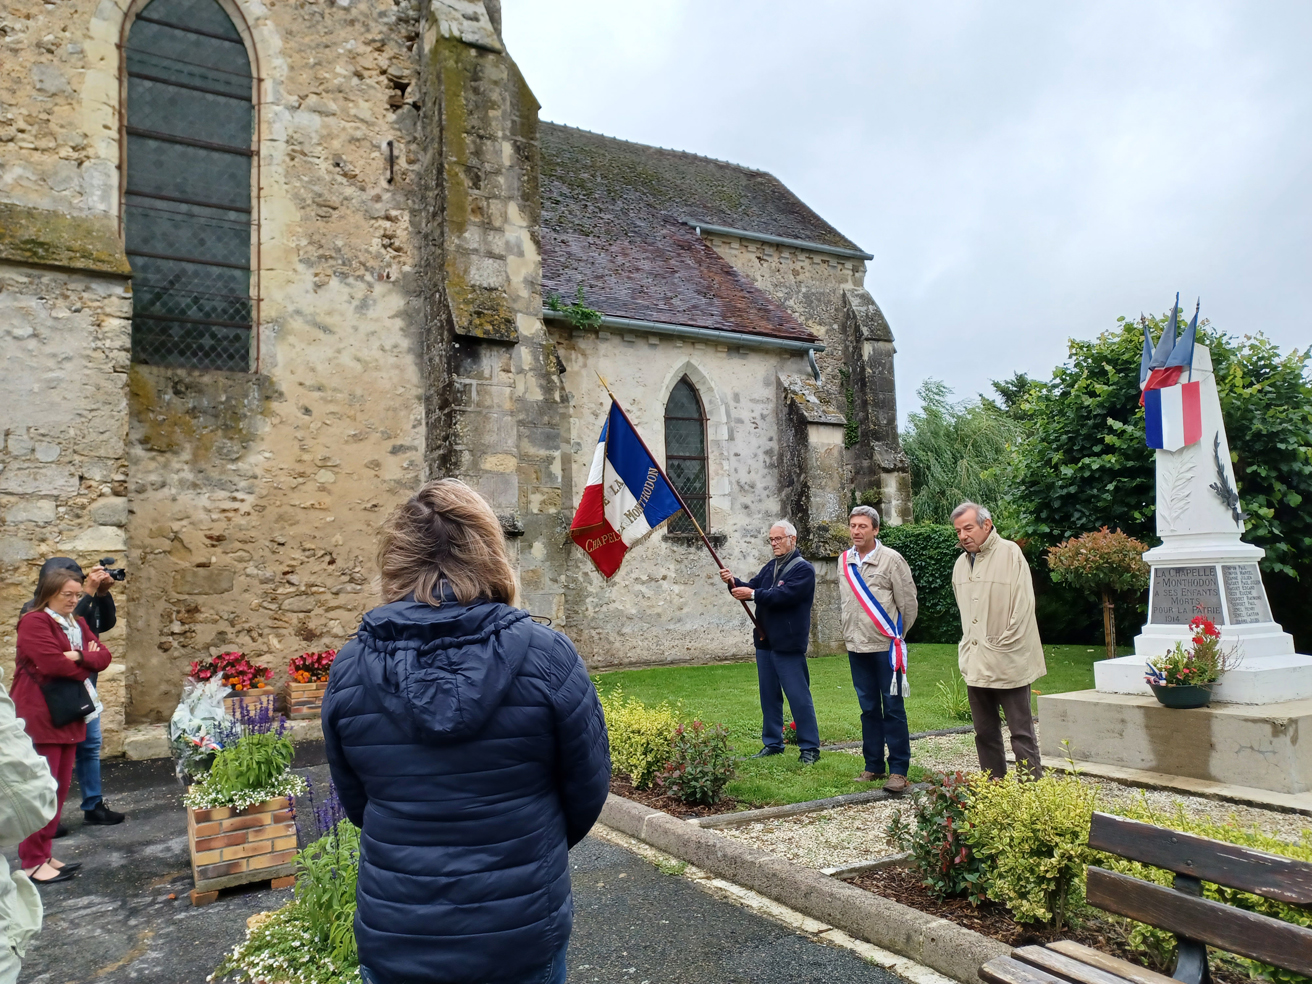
column 267, row 265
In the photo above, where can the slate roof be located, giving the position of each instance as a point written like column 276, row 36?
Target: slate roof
column 611, row 214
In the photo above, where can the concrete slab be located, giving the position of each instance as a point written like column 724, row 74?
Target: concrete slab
column 1234, row 744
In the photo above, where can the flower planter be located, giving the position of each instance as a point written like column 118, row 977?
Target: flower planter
column 1182, row 697
column 234, row 847
column 304, row 700
column 251, row 700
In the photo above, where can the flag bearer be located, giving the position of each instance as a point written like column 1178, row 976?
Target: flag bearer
column 878, row 600
column 783, row 592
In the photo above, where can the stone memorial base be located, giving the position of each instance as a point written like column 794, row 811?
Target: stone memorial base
column 1257, row 680
column 1228, row 743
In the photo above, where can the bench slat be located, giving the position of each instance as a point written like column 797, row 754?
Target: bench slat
column 1113, row 965
column 1245, row 933
column 1004, row 970
column 1268, row 875
column 1068, row 968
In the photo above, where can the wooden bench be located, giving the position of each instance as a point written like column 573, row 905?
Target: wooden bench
column 1196, row 922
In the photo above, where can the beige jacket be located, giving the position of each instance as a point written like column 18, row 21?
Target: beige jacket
column 27, row 802
column 1000, row 647
column 889, row 577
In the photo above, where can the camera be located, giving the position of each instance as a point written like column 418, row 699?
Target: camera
column 117, row 573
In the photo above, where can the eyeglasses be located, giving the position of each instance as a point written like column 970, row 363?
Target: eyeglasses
column 779, row 539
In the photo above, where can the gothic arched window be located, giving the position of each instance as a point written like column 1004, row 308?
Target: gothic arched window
column 187, row 203
column 685, row 453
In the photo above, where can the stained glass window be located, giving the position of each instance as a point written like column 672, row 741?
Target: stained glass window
column 685, row 453
column 187, row 203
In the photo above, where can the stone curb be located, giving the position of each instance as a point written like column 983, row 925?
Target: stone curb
column 937, row 943
column 793, row 809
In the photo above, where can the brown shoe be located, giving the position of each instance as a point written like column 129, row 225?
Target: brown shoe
column 869, row 777
column 896, row 785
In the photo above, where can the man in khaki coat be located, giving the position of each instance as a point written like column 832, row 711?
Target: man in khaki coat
column 879, row 689
column 1000, row 653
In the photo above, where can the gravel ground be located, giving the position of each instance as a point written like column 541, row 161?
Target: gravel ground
column 853, row 834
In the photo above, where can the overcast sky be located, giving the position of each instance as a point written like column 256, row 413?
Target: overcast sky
column 1023, row 172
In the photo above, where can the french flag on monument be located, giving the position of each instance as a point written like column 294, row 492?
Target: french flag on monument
column 626, row 498
column 1173, row 412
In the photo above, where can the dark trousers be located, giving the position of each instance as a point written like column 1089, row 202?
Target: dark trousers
column 779, row 675
column 1015, row 704
column 551, row 973
column 883, row 715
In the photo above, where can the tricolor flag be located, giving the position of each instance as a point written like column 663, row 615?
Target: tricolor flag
column 1173, row 416
column 627, row 496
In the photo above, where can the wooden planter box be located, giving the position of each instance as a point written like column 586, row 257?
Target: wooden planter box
column 252, row 699
column 304, row 700
column 232, row 847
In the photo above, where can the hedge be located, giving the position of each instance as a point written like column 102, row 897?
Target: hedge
column 931, row 551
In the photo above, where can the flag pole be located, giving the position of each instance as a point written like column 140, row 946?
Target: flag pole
column 719, row 564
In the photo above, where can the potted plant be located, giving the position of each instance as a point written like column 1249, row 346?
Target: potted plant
column 240, row 821
column 248, row 682
column 307, row 679
column 1184, row 677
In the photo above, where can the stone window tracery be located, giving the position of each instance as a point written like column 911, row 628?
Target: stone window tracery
column 187, row 204
column 685, row 453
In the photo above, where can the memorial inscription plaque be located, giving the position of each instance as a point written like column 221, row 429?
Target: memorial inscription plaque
column 1180, row 593
column 1245, row 598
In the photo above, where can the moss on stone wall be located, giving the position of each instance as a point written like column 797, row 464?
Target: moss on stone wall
column 43, row 237
column 210, row 416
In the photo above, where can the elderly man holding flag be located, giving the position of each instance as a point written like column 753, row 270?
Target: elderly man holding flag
column 879, row 607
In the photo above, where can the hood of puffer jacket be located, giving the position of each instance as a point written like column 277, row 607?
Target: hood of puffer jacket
column 442, row 671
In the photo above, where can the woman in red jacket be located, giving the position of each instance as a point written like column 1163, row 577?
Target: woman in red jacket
column 52, row 643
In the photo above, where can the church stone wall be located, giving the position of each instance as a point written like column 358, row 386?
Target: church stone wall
column 667, row 603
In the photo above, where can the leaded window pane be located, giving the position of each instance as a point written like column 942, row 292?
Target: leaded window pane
column 187, row 211
column 685, row 454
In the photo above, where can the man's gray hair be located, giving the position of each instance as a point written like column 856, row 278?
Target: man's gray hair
column 867, row 511
column 982, row 515
column 786, row 526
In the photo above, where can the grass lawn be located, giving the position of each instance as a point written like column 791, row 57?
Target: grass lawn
column 727, row 694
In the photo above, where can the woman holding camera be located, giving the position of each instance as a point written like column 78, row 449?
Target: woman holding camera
column 53, row 645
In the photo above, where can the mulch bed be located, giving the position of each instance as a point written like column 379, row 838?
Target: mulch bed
column 660, row 801
column 992, row 919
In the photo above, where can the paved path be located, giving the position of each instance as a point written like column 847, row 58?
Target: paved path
column 116, row 923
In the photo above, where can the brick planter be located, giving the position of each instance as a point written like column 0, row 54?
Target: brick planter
column 304, row 700
column 251, row 699
column 232, row 847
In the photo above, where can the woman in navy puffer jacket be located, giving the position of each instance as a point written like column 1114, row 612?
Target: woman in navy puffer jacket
column 468, row 744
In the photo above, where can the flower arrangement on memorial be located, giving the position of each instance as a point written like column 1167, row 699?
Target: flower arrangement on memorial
column 235, row 669
column 1198, row 666
column 790, row 733
column 252, row 762
column 311, row 667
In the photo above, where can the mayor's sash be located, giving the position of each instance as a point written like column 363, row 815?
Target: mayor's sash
column 897, row 651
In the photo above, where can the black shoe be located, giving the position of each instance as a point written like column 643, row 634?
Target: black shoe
column 809, row 756
column 69, row 866
column 102, row 816
column 767, row 752
column 64, row 875
column 61, row 831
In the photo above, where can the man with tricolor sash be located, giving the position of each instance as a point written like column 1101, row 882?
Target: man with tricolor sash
column 1000, row 653
column 878, row 598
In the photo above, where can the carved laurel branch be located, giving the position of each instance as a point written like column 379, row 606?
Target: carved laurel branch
column 1177, row 483
column 1222, row 487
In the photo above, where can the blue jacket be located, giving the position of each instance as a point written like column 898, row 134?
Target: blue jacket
column 783, row 610
column 468, row 744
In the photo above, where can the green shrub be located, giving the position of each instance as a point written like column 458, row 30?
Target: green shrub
column 254, row 768
column 953, row 700
column 1157, row 945
column 281, row 947
column 700, row 765
column 326, row 873
column 932, row 831
column 639, row 735
column 931, row 551
column 1032, row 838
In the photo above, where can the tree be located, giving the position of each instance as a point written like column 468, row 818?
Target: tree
column 1101, row 564
column 1083, row 463
column 955, row 450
